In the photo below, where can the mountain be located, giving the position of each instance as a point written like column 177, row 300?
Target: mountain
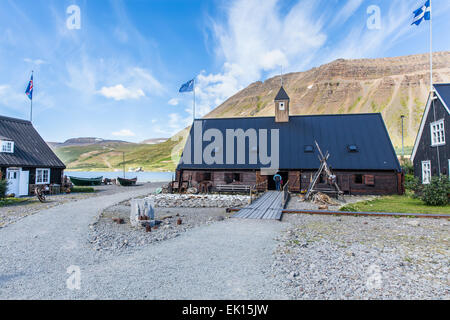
column 82, row 142
column 393, row 86
column 95, row 154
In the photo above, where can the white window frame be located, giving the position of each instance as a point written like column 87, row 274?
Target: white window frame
column 281, row 106
column 10, row 148
column 437, row 133
column 42, row 170
column 426, row 172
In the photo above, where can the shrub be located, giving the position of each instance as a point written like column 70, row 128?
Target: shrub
column 413, row 184
column 436, row 192
column 407, row 167
column 3, row 188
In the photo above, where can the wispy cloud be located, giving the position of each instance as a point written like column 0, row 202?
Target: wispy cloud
column 173, row 101
column 256, row 38
column 119, row 92
column 123, row 133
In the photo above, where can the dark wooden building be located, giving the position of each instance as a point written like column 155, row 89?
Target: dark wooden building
column 250, row 151
column 431, row 153
column 25, row 158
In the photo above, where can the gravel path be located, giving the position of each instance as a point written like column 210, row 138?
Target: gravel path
column 327, row 257
column 228, row 259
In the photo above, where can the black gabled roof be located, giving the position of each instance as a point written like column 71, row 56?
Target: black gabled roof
column 30, row 150
column 334, row 133
column 282, row 95
column 443, row 90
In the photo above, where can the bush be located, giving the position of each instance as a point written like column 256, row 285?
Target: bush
column 407, row 167
column 436, row 193
column 3, row 188
column 413, row 184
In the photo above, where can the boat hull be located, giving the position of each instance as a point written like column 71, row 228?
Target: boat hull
column 127, row 182
column 86, row 181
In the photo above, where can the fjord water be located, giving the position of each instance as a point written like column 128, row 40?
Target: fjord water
column 142, row 176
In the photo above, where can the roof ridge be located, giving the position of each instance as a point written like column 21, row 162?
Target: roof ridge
column 14, row 119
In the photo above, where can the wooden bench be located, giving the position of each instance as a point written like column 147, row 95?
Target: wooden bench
column 233, row 188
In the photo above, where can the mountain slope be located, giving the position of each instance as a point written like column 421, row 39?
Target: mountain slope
column 392, row 86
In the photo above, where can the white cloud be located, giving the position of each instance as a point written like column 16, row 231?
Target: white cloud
column 255, row 38
column 37, row 62
column 119, row 92
column 124, row 133
column 346, row 12
column 173, row 101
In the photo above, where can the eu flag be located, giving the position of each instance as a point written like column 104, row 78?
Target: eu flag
column 29, row 91
column 188, row 86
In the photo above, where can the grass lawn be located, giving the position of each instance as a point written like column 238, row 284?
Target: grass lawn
column 11, row 201
column 82, row 190
column 396, row 204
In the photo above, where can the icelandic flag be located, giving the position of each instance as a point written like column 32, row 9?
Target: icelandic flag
column 188, row 86
column 423, row 13
column 29, row 91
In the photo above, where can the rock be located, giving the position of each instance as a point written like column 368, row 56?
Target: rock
column 413, row 223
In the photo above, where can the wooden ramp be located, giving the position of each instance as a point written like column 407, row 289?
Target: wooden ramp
column 268, row 206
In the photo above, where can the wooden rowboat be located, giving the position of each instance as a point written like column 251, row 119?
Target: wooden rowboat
column 86, row 181
column 127, row 182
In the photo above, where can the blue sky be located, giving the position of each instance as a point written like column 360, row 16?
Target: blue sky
column 118, row 75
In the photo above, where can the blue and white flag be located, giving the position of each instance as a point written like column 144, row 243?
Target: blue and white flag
column 188, row 86
column 423, row 13
column 29, row 91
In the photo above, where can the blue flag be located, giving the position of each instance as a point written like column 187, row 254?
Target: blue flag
column 29, row 91
column 188, row 86
column 423, row 13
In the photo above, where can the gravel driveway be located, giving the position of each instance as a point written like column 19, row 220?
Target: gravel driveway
column 229, row 259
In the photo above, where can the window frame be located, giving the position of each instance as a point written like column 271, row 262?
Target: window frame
column 281, row 106
column 37, row 175
column 428, row 180
column 440, row 133
column 9, row 143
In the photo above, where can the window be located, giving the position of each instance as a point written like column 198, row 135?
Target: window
column 236, row 177
column 426, row 172
column 281, row 106
column 352, row 148
column 8, row 146
column 309, row 149
column 207, row 176
column 358, row 178
column 437, row 133
column 42, row 176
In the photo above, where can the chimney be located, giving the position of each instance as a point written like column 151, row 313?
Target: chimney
column 282, row 106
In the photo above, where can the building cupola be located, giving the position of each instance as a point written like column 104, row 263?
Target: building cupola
column 282, row 106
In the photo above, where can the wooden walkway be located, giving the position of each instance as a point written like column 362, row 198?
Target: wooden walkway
column 268, row 206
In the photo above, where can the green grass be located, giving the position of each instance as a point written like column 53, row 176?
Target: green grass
column 108, row 157
column 11, row 201
column 82, row 190
column 395, row 204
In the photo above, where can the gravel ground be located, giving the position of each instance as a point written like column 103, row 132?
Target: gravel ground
column 322, row 257
column 108, row 236
column 296, row 202
column 302, row 257
column 13, row 213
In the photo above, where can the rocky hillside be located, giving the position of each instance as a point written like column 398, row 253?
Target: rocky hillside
column 392, row 86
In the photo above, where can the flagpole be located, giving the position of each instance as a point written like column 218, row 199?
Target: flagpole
column 431, row 48
column 193, row 112
column 31, row 110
